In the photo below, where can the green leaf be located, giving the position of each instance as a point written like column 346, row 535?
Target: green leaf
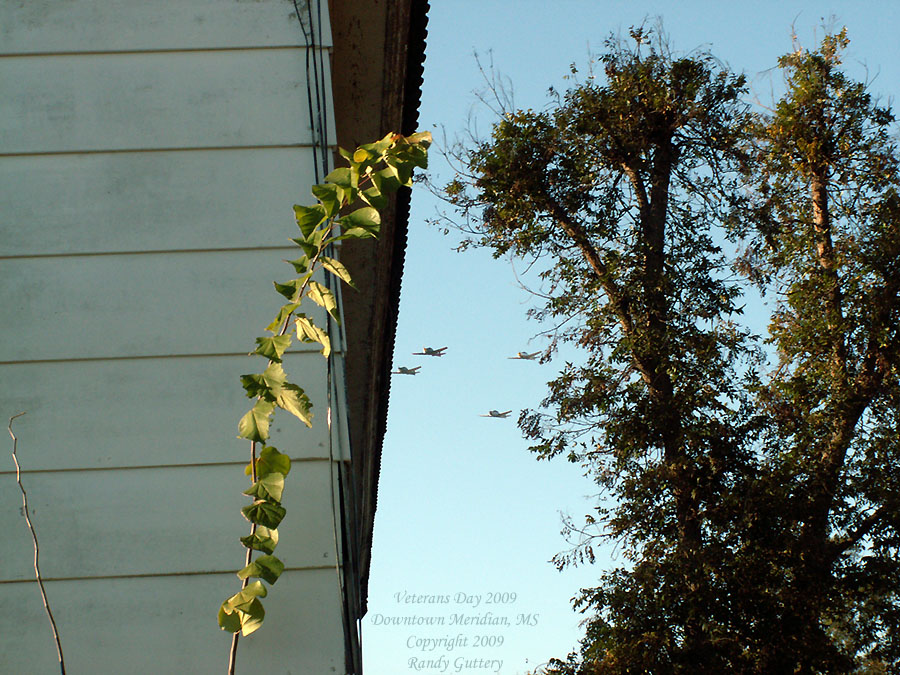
column 272, row 387
column 254, row 425
column 301, row 264
column 401, row 170
column 373, row 197
column 422, row 138
column 255, row 386
column 272, row 347
column 267, row 514
column 309, row 250
column 330, row 197
column 295, row 401
column 263, row 539
column 307, row 331
column 292, row 398
column 229, row 620
column 353, row 233
column 378, row 148
column 309, row 217
column 314, row 240
column 266, row 567
column 266, row 384
column 283, row 314
column 243, row 611
column 274, row 376
column 386, row 181
column 365, row 217
column 246, row 596
column 252, row 618
column 270, row 461
column 343, row 177
column 287, row 396
column 323, row 297
column 290, row 290
column 337, row 268
column 270, row 487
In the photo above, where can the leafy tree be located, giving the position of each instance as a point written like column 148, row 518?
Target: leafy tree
column 755, row 511
column 825, row 242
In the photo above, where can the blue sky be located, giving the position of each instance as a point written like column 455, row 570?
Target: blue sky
column 463, row 507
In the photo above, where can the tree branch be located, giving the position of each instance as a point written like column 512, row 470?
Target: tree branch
column 861, row 530
column 37, row 567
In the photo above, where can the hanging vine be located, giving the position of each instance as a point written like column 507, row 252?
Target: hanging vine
column 375, row 171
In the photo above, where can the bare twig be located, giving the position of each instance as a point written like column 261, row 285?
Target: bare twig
column 37, row 568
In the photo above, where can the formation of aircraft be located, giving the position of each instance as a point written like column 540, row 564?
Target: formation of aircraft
column 430, row 351
column 440, row 351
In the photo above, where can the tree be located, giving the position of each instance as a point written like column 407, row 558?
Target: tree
column 825, row 241
column 727, row 489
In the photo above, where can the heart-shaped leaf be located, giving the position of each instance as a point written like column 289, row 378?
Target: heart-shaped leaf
column 267, row 514
column 269, row 488
column 264, row 539
column 254, row 426
column 266, row 567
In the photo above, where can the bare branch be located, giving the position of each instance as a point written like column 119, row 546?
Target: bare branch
column 37, row 567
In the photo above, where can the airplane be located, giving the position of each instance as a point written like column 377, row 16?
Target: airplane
column 430, row 351
column 402, row 370
column 494, row 413
column 525, row 356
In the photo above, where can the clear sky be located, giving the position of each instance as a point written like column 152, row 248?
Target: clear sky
column 464, row 510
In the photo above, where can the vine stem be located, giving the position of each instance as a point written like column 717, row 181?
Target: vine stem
column 232, row 656
column 37, row 567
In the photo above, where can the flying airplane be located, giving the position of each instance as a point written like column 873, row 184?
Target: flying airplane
column 494, row 413
column 430, row 351
column 525, row 356
column 402, row 370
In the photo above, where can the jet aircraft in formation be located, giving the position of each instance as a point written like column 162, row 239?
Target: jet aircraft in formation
column 525, row 356
column 403, row 370
column 495, row 413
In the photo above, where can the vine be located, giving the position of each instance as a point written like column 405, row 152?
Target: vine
column 375, row 171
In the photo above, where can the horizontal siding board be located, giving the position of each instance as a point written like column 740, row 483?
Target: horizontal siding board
column 152, row 626
column 156, row 521
column 102, row 102
column 140, row 305
column 40, row 26
column 150, row 412
column 109, row 202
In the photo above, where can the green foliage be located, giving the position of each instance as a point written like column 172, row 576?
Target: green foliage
column 243, row 611
column 267, row 567
column 320, row 227
column 263, row 539
column 757, row 510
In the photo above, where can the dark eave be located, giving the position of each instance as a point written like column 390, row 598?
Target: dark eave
column 377, row 67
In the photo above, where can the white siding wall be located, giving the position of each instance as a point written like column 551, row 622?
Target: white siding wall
column 150, row 153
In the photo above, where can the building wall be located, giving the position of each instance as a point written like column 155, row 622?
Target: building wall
column 150, row 153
